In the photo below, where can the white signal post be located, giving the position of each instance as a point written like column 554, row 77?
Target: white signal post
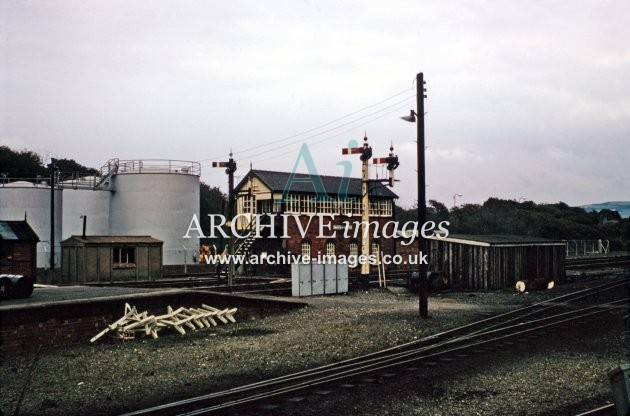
column 366, row 153
column 365, row 210
column 392, row 163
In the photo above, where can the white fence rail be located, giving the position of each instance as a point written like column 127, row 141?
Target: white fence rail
column 582, row 248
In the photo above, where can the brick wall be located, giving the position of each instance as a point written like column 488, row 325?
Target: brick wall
column 22, row 259
column 294, row 242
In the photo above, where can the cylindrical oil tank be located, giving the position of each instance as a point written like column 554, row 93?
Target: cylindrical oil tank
column 22, row 198
column 84, row 201
column 157, row 198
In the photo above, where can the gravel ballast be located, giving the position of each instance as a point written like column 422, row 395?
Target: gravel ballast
column 559, row 374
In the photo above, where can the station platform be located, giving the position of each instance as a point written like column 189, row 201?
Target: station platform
column 61, row 315
column 43, row 294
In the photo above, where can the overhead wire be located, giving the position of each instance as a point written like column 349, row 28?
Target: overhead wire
column 315, row 143
column 243, row 152
column 302, row 139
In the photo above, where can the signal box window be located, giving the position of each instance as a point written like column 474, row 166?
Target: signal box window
column 306, row 249
column 330, row 248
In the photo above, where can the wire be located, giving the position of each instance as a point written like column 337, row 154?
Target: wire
column 339, row 126
column 257, row 149
column 329, row 137
column 396, row 107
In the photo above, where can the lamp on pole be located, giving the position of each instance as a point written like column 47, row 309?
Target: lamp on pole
column 53, row 170
column 455, row 195
column 418, row 118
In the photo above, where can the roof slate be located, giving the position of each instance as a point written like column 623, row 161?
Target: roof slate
column 277, row 181
column 17, row 230
column 502, row 239
column 112, row 239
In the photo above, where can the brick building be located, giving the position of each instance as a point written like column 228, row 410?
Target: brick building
column 18, row 248
column 298, row 219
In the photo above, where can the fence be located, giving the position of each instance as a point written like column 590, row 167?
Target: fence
column 581, row 248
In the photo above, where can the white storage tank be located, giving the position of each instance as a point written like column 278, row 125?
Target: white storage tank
column 157, row 198
column 80, row 199
column 21, row 198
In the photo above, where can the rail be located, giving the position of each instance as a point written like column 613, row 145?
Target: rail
column 159, row 166
column 63, row 180
column 493, row 332
column 30, row 182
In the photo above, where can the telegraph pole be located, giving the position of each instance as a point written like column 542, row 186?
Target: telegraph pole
column 418, row 117
column 53, row 167
column 230, row 166
column 422, row 198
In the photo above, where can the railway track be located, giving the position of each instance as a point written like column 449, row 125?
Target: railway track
column 279, row 286
column 282, row 286
column 493, row 332
column 605, row 410
column 597, row 262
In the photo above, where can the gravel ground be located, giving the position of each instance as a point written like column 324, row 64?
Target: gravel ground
column 556, row 375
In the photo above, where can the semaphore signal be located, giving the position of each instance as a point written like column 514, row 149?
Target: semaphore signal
column 392, row 163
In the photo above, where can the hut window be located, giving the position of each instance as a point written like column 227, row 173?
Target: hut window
column 124, row 256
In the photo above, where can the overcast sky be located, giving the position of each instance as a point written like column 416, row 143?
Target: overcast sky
column 526, row 99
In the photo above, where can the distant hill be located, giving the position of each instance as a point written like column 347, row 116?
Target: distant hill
column 622, row 207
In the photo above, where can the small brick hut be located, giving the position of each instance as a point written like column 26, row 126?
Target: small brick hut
column 18, row 248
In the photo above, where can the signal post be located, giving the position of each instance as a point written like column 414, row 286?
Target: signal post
column 365, row 153
column 230, row 166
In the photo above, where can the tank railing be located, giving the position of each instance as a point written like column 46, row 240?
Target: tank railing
column 107, row 168
column 78, row 180
column 160, row 166
column 113, row 166
column 64, row 180
column 38, row 181
column 106, row 172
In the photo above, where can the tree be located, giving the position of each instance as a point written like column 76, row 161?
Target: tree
column 211, row 201
column 437, row 211
column 71, row 166
column 20, row 164
column 26, row 164
column 606, row 215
